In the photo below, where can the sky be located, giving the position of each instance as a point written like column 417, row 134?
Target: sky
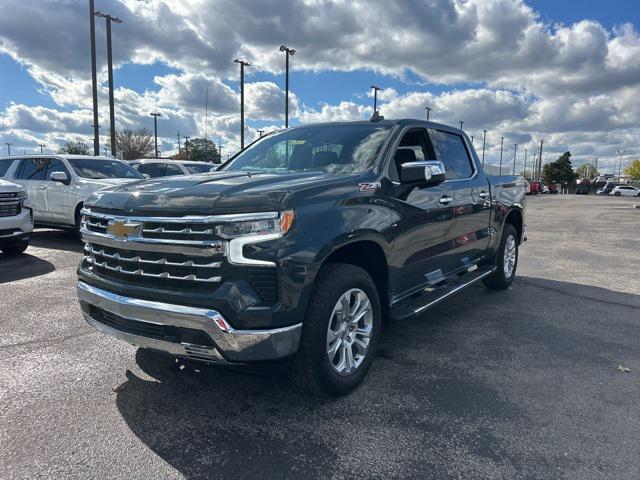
column 567, row 72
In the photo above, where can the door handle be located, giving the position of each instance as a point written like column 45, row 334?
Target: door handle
column 446, row 200
column 483, row 194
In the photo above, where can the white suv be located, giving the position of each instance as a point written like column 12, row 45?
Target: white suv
column 16, row 218
column 58, row 185
column 625, row 191
column 157, row 167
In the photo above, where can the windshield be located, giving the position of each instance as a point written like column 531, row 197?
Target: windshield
column 97, row 169
column 198, row 167
column 338, row 149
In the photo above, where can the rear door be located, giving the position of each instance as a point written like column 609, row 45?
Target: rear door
column 31, row 175
column 471, row 197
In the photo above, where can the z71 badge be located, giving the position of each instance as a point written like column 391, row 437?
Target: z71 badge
column 369, row 186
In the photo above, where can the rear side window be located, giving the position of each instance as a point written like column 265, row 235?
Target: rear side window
column 32, row 169
column 4, row 166
column 453, row 154
column 173, row 170
column 152, row 169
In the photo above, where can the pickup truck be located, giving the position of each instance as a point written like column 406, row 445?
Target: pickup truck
column 300, row 247
column 16, row 218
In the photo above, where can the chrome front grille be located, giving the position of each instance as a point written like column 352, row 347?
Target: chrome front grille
column 10, row 209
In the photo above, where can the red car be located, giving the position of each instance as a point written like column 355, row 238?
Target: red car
column 535, row 187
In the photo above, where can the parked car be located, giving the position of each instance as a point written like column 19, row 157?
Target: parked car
column 582, row 189
column 58, row 185
column 300, row 252
column 625, row 191
column 545, row 189
column 155, row 167
column 535, row 187
column 16, row 218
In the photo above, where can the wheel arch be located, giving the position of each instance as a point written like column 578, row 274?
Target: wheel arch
column 515, row 217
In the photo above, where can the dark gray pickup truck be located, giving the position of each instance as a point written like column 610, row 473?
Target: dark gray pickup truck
column 300, row 247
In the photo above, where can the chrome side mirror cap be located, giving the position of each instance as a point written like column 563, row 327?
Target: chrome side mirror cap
column 60, row 177
column 424, row 173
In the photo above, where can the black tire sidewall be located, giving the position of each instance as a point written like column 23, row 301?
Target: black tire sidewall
column 509, row 230
column 329, row 380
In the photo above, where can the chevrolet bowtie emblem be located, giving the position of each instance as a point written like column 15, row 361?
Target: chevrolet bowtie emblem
column 122, row 229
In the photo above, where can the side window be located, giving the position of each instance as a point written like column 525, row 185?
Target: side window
column 32, row 169
column 172, row 170
column 4, row 166
column 56, row 165
column 453, row 154
column 413, row 147
column 152, row 169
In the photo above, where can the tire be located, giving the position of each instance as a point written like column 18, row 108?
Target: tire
column 313, row 370
column 617, row 194
column 500, row 279
column 15, row 248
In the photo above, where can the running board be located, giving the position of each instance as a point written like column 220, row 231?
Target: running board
column 432, row 296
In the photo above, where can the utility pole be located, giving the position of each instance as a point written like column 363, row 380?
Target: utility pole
column 515, row 152
column 375, row 97
column 94, row 81
column 242, row 65
column 540, row 160
column 288, row 53
column 501, row 147
column 186, row 147
column 8, row 144
column 484, row 142
column 461, row 123
column 428, row 112
column 112, row 115
column 155, row 116
column 41, row 145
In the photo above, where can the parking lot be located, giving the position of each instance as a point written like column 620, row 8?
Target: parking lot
column 523, row 383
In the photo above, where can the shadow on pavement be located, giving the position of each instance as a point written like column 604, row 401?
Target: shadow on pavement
column 470, row 389
column 22, row 266
column 65, row 240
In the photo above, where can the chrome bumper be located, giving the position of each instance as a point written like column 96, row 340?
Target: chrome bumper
column 232, row 346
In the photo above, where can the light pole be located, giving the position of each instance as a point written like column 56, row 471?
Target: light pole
column 484, row 142
column 186, row 147
column 94, row 81
column 471, row 139
column 524, row 170
column 288, row 52
column 155, row 116
column 428, row 112
column 8, row 144
column 242, row 65
column 375, row 97
column 260, row 132
column 515, row 152
column 620, row 153
column 540, row 160
column 461, row 123
column 41, row 145
column 112, row 115
column 220, row 148
column 533, row 166
column 501, row 147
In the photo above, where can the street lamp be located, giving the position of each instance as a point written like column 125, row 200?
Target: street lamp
column 484, row 142
column 260, row 132
column 501, row 147
column 375, row 97
column 242, row 65
column 515, row 152
column 620, row 154
column 461, row 123
column 186, row 147
column 428, row 112
column 288, row 53
column 8, row 144
column 42, row 145
column 155, row 116
column 94, row 81
column 112, row 115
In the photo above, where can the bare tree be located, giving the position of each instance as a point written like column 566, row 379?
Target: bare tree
column 75, row 148
column 135, row 143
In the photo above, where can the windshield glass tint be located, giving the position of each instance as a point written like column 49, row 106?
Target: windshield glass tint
column 198, row 168
column 96, row 169
column 338, row 149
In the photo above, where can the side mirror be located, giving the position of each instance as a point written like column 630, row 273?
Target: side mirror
column 146, row 175
column 60, row 177
column 424, row 173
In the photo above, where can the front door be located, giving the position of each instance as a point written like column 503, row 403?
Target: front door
column 422, row 253
column 471, row 195
column 58, row 196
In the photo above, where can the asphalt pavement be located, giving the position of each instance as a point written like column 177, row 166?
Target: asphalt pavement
column 517, row 384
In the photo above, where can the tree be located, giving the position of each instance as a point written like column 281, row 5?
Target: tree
column 135, row 143
column 587, row 171
column 560, row 171
column 75, row 148
column 633, row 170
column 200, row 150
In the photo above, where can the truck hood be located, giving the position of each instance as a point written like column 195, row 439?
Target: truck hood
column 104, row 182
column 205, row 194
column 8, row 187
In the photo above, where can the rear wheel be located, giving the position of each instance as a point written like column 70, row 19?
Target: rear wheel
column 617, row 194
column 340, row 331
column 15, row 248
column 506, row 262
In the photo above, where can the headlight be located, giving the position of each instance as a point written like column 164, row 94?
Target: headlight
column 259, row 226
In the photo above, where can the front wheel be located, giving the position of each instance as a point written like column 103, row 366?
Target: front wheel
column 617, row 194
column 15, row 248
column 507, row 261
column 340, row 331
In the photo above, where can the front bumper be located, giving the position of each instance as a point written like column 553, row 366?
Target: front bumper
column 158, row 326
column 18, row 227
